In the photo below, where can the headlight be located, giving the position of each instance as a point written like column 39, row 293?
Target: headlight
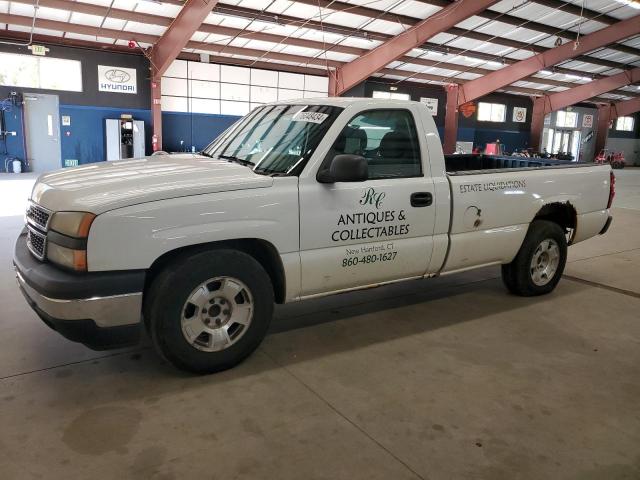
column 73, row 224
column 67, row 239
column 67, row 257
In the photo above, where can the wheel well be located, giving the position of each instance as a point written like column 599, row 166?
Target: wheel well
column 564, row 214
column 264, row 252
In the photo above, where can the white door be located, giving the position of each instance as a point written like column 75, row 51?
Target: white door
column 354, row 234
column 42, row 130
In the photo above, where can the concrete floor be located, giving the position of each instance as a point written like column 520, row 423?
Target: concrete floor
column 449, row 378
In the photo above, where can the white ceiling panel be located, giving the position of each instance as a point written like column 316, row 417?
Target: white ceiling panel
column 441, row 38
column 156, row 8
column 467, row 76
column 219, row 39
column 88, row 38
column 40, row 31
column 415, row 9
column 84, row 19
column 295, row 50
column 338, row 57
column 114, row 23
column 53, row 14
column 21, row 9
column 359, row 42
column 518, row 54
column 384, row 26
column 144, row 28
column 471, row 22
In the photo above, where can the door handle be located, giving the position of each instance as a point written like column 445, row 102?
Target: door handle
column 421, row 199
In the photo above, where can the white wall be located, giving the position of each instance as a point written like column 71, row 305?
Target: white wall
column 195, row 87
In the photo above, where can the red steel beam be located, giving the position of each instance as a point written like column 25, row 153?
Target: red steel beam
column 625, row 108
column 513, row 73
column 374, row 60
column 174, row 39
column 556, row 101
column 451, row 120
column 559, row 100
column 602, row 130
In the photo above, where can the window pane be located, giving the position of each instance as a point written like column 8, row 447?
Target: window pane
column 497, row 112
column 484, row 111
column 51, row 77
column 377, row 94
column 550, row 140
column 387, row 139
column 625, row 124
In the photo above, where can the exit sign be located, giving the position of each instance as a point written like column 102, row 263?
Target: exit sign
column 40, row 50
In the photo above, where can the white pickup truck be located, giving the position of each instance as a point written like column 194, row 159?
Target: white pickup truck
column 296, row 200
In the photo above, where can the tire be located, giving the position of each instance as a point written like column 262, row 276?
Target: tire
column 209, row 279
column 547, row 245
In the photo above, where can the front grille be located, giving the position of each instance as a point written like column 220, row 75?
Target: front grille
column 38, row 216
column 36, row 242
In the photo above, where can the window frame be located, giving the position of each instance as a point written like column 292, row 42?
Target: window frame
column 504, row 112
column 327, row 159
column 39, row 74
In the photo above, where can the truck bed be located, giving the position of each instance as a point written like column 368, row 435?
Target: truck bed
column 478, row 162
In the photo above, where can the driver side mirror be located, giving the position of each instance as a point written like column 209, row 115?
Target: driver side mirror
column 345, row 168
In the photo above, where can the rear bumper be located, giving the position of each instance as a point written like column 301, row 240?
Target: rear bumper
column 100, row 309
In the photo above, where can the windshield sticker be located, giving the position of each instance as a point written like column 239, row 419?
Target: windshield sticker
column 310, row 117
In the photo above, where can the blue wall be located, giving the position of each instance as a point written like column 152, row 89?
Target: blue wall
column 193, row 129
column 84, row 139
column 12, row 146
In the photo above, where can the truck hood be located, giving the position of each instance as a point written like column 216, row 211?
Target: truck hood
column 104, row 186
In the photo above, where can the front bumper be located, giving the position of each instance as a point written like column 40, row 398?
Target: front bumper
column 99, row 309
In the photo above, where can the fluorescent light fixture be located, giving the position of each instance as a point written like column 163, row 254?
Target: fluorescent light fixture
column 495, row 64
column 546, row 72
column 573, row 77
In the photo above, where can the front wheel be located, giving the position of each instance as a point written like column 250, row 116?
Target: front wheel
column 209, row 310
column 539, row 264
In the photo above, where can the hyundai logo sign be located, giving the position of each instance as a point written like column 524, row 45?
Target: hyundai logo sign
column 116, row 75
column 117, row 79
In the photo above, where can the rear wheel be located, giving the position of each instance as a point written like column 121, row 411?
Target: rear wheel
column 539, row 264
column 209, row 310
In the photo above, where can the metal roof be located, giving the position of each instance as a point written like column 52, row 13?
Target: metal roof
column 316, row 34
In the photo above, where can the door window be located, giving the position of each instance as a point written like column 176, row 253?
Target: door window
column 387, row 139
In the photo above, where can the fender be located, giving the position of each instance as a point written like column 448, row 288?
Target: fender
column 135, row 237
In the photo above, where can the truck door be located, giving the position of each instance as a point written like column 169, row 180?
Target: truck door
column 354, row 234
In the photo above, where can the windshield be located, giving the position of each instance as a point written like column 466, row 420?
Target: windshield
column 276, row 139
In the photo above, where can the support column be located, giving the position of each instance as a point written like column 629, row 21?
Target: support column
column 156, row 112
column 537, row 123
column 604, row 117
column 451, row 120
